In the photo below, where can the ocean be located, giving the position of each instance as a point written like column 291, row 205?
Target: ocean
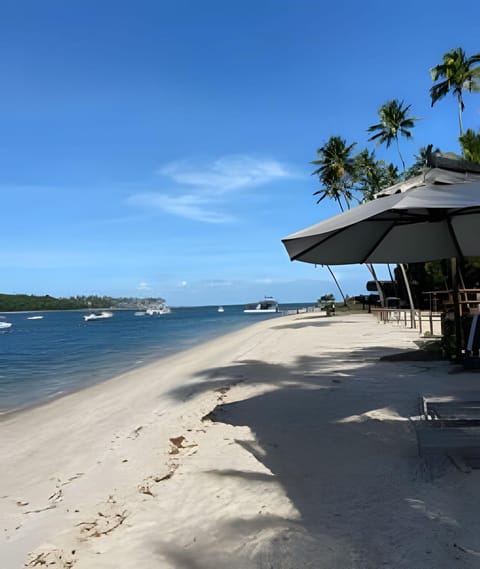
column 61, row 353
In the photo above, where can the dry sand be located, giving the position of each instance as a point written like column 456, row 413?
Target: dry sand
column 284, row 445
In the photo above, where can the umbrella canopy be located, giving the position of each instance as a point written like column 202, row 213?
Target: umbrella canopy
column 422, row 224
column 432, row 176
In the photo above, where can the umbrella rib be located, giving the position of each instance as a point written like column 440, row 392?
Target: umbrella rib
column 308, row 249
column 454, row 238
column 377, row 243
column 397, row 218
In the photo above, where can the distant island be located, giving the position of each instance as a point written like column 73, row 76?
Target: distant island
column 21, row 302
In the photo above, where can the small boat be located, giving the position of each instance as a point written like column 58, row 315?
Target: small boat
column 98, row 316
column 266, row 306
column 34, row 317
column 220, row 309
column 158, row 311
column 5, row 325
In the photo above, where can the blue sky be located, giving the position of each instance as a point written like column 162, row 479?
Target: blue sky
column 163, row 148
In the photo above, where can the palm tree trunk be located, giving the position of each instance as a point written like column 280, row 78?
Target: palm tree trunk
column 400, row 154
column 390, row 273
column 460, row 105
column 377, row 283
column 338, row 286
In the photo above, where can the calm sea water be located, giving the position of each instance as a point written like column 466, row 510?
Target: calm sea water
column 42, row 359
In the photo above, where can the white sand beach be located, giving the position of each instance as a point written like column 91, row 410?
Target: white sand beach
column 287, row 444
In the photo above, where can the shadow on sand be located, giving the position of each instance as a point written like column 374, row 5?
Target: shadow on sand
column 340, row 444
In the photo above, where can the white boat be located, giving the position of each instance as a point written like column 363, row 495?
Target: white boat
column 34, row 317
column 98, row 315
column 158, row 311
column 266, row 306
column 220, row 309
column 5, row 325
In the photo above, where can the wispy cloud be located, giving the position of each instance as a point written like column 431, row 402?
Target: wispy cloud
column 218, row 283
column 199, row 208
column 202, row 190
column 225, row 174
column 144, row 287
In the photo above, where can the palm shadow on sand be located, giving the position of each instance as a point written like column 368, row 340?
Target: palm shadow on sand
column 340, row 444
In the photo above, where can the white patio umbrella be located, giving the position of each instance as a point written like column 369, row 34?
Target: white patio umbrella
column 421, row 224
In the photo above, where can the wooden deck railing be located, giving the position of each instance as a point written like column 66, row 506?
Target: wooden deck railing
column 423, row 320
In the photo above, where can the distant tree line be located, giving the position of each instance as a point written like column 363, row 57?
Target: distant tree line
column 19, row 302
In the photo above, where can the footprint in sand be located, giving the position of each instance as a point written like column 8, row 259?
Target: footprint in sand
column 49, row 556
column 110, row 516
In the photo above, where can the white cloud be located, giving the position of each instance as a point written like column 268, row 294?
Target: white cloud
column 201, row 191
column 218, row 283
column 144, row 287
column 225, row 174
column 190, row 206
column 183, row 284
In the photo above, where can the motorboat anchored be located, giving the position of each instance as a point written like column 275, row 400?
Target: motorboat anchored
column 266, row 306
column 158, row 311
column 98, row 315
column 221, row 309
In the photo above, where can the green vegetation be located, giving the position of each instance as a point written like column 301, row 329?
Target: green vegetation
column 347, row 177
column 20, row 302
column 470, row 143
column 336, row 170
column 458, row 73
column 394, row 121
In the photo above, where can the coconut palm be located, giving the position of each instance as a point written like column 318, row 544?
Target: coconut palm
column 373, row 175
column 394, row 121
column 336, row 171
column 422, row 160
column 458, row 73
column 470, row 142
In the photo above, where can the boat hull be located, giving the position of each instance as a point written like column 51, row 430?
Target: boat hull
column 102, row 316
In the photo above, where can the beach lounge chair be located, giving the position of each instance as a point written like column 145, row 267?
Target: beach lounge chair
column 450, row 428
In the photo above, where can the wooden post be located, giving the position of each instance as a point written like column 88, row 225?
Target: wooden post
column 456, row 311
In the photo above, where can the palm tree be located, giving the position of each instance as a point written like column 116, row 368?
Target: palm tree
column 394, row 121
column 422, row 160
column 458, row 73
column 373, row 175
column 336, row 170
column 470, row 142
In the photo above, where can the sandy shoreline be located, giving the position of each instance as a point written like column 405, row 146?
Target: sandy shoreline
column 285, row 444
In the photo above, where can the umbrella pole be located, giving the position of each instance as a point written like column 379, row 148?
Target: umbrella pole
column 409, row 293
column 456, row 311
